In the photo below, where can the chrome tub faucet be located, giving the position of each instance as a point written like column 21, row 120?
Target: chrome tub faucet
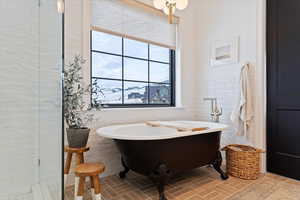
column 216, row 112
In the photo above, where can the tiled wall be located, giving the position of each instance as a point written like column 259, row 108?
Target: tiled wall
column 224, row 20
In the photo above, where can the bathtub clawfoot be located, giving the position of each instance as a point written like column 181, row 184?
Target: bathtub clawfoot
column 161, row 191
column 123, row 173
column 217, row 166
column 160, row 177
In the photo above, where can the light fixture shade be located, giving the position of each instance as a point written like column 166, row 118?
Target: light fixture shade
column 159, row 4
column 60, row 6
column 181, row 4
column 166, row 10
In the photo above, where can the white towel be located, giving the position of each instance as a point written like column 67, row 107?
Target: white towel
column 243, row 112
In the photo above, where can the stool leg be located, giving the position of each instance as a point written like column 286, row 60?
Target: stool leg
column 82, row 158
column 67, row 167
column 77, row 180
column 92, row 188
column 96, row 181
column 80, row 191
column 79, row 158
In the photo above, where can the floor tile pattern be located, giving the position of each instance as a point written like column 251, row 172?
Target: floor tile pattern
column 200, row 184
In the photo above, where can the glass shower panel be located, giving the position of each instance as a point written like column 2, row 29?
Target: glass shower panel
column 50, row 98
column 19, row 99
column 30, row 100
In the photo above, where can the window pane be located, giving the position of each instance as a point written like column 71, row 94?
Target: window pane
column 106, row 66
column 135, row 93
column 160, row 94
column 111, row 92
column 135, row 49
column 106, row 42
column 135, row 69
column 159, row 73
column 158, row 53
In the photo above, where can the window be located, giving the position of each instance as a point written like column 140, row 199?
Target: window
column 131, row 73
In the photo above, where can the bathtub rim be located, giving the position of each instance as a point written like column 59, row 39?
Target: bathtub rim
column 110, row 131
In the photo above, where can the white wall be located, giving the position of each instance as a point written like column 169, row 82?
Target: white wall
column 224, row 20
column 218, row 20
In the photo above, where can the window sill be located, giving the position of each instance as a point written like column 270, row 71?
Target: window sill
column 142, row 109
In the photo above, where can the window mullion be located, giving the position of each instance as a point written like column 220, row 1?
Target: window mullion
column 123, row 101
column 91, row 68
column 149, row 74
column 173, row 77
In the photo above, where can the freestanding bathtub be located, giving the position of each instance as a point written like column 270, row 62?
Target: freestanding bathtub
column 160, row 152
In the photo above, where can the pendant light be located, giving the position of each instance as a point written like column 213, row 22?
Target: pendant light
column 169, row 6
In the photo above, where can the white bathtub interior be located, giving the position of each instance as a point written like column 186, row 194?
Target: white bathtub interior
column 142, row 131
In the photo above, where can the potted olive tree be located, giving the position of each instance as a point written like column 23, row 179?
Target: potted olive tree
column 76, row 111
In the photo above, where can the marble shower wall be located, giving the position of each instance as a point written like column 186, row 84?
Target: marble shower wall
column 30, row 94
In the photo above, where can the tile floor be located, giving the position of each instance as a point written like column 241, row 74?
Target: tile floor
column 200, row 184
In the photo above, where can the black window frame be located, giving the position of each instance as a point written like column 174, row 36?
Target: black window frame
column 172, row 63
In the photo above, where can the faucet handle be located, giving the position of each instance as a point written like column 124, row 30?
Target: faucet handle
column 216, row 115
column 213, row 102
column 220, row 112
column 217, row 111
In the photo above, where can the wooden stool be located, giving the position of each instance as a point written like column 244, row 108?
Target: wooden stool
column 89, row 170
column 79, row 159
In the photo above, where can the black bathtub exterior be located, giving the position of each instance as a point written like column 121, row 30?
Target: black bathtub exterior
column 161, row 159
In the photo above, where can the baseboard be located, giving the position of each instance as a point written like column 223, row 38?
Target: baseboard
column 37, row 192
column 46, row 192
column 27, row 196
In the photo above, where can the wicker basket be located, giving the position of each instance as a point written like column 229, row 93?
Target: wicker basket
column 243, row 161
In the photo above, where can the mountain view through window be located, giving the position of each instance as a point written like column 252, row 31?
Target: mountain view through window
column 130, row 72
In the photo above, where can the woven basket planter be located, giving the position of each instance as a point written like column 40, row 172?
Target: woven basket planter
column 243, row 161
